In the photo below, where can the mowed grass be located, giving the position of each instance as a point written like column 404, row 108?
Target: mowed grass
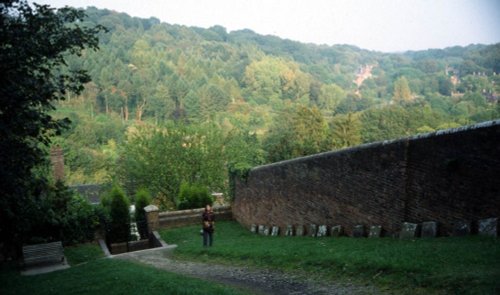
column 465, row 265
column 82, row 253
column 90, row 275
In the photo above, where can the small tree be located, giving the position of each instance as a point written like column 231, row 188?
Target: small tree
column 193, row 196
column 142, row 199
column 119, row 226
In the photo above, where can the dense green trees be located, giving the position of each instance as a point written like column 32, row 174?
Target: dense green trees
column 35, row 43
column 402, row 92
column 170, row 104
column 296, row 132
column 161, row 158
column 346, row 130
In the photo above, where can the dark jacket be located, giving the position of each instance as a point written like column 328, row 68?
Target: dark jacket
column 208, row 221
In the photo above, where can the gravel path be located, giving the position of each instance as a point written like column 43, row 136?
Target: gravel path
column 260, row 281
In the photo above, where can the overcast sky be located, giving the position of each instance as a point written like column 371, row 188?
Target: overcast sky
column 383, row 25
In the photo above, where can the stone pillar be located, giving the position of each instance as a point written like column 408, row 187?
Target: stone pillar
column 152, row 218
column 57, row 159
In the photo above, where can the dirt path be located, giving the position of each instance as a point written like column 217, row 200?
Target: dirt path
column 260, row 281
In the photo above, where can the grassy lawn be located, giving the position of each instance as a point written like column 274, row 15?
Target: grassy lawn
column 103, row 276
column 82, row 253
column 468, row 265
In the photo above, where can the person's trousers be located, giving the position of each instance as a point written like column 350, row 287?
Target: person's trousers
column 207, row 238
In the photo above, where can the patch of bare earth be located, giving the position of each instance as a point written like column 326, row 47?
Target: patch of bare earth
column 256, row 281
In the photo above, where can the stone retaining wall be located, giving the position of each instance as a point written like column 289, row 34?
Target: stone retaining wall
column 171, row 219
column 447, row 176
column 118, row 248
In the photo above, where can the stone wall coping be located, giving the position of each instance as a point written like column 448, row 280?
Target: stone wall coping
column 194, row 211
column 151, row 208
column 365, row 146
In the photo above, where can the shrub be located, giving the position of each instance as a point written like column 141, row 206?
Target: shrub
column 142, row 199
column 63, row 215
column 118, row 229
column 193, row 196
column 81, row 221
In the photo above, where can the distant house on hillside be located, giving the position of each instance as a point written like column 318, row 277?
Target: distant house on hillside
column 92, row 192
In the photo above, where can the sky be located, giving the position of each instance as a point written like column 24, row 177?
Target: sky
column 382, row 25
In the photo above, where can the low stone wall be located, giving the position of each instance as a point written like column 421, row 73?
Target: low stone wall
column 172, row 219
column 154, row 241
column 118, row 248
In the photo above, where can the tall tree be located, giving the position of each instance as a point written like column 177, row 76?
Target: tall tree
column 402, row 92
column 346, row 130
column 296, row 132
column 34, row 41
column 330, row 96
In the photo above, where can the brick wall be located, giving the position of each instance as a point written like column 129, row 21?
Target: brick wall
column 443, row 176
column 57, row 159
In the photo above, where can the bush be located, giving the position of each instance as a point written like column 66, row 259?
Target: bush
column 193, row 196
column 118, row 229
column 142, row 199
column 63, row 215
column 81, row 221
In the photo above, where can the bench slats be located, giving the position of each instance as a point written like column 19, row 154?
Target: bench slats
column 43, row 253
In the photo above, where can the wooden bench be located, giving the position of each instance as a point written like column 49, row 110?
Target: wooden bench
column 43, row 253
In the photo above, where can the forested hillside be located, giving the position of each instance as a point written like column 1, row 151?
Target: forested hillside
column 170, row 104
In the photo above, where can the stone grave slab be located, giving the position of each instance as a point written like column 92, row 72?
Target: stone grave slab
column 461, row 228
column 275, row 231
column 289, row 230
column 313, row 230
column 253, row 228
column 358, row 231
column 488, row 227
column 299, row 231
column 408, row 231
column 375, row 231
column 429, row 229
column 322, row 231
column 336, row 231
column 266, row 230
column 261, row 229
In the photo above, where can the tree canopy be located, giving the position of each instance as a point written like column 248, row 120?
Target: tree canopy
column 171, row 104
column 35, row 41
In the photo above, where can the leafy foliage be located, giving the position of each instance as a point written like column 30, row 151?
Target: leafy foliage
column 62, row 215
column 161, row 159
column 118, row 226
column 142, row 199
column 297, row 132
column 192, row 196
column 35, row 44
column 170, row 104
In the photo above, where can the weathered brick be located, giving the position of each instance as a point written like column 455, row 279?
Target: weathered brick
column 444, row 177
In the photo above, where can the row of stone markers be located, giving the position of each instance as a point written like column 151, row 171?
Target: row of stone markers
column 300, row 230
column 429, row 229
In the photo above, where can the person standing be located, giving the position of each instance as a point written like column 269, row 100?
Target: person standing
column 208, row 226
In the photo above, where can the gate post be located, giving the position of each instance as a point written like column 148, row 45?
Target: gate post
column 152, row 217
